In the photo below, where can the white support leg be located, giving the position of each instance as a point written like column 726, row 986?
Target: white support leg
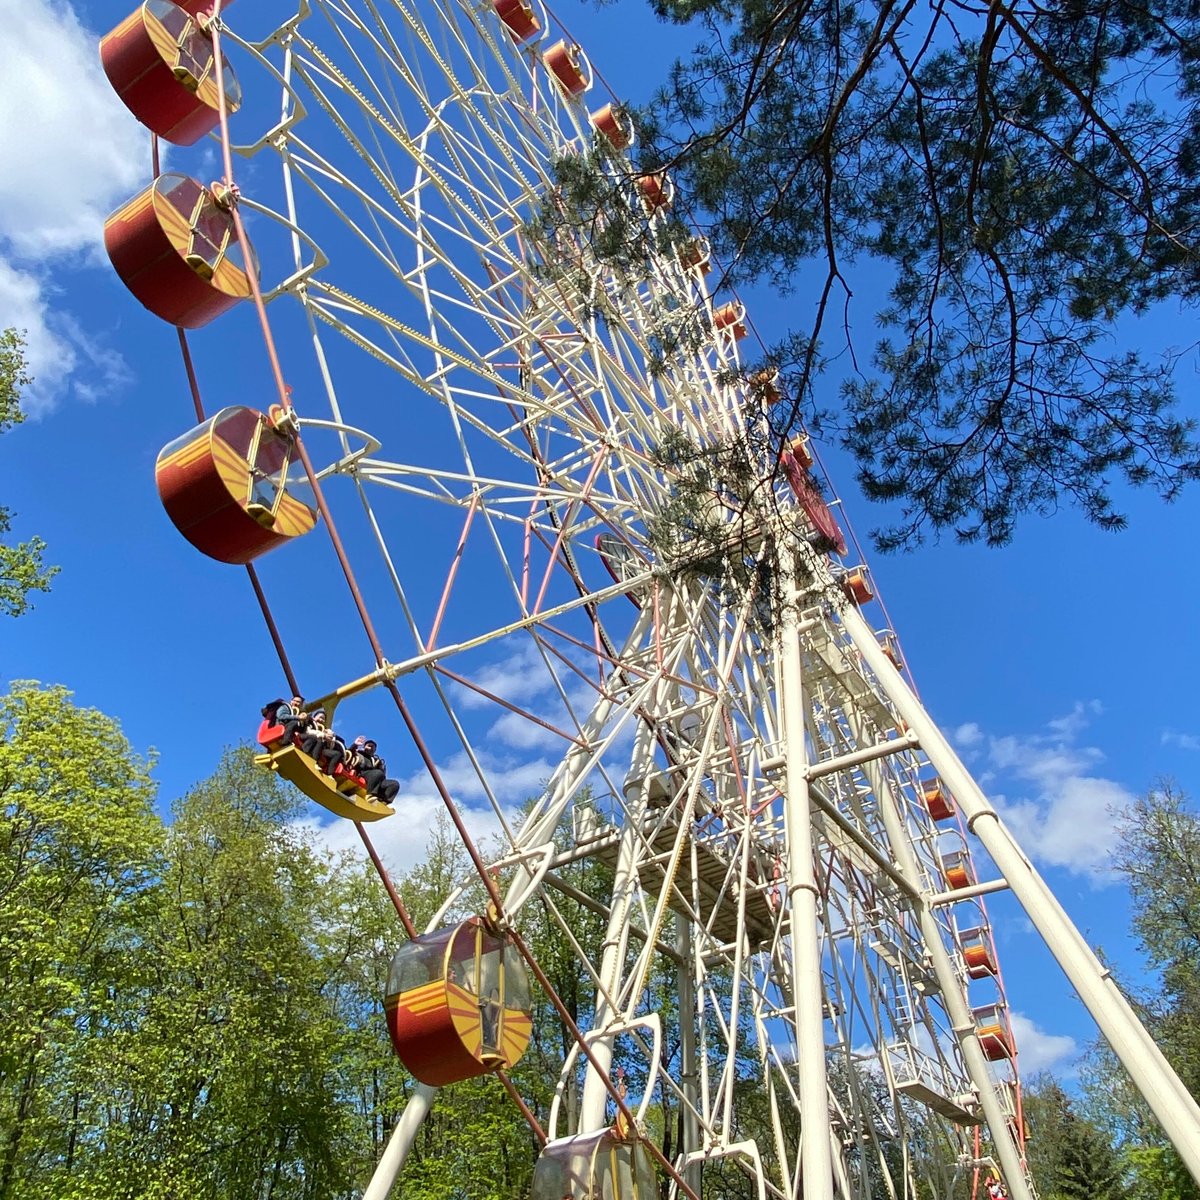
column 594, row 1106
column 1147, row 1066
column 816, row 1176
column 400, row 1143
column 952, row 994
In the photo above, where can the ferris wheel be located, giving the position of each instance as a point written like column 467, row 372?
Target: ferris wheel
column 566, row 526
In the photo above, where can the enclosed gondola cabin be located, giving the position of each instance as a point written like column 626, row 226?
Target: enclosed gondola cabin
column 458, row 1004
column 161, row 63
column 979, row 958
column 937, row 800
column 891, row 649
column 343, row 793
column 520, row 19
column 731, row 318
column 857, row 586
column 957, row 870
column 695, row 254
column 595, row 1166
column 801, row 451
column 614, row 123
column 567, row 63
column 230, row 486
column 175, row 248
column 995, row 1036
column 827, row 533
column 656, row 191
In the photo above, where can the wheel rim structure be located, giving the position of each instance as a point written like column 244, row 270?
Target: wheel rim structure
column 566, row 475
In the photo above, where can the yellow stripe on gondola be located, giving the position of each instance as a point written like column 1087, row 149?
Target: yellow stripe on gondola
column 294, row 517
column 517, row 1028
column 163, row 40
column 461, row 1004
column 426, row 1003
column 232, row 467
column 175, row 225
column 208, row 94
column 231, row 279
column 130, row 22
column 135, row 208
column 186, row 455
column 422, row 999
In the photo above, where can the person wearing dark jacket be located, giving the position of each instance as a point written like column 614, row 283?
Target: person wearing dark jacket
column 291, row 716
column 374, row 770
column 322, row 745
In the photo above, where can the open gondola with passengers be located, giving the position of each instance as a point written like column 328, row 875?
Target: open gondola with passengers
column 458, row 1003
column 344, row 793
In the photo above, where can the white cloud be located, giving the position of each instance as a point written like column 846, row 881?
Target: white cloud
column 1184, row 741
column 522, row 734
column 1077, row 720
column 73, row 153
column 519, row 677
column 967, row 736
column 1038, row 1050
column 401, row 841
column 79, row 151
column 1057, row 803
column 1071, row 825
column 511, row 779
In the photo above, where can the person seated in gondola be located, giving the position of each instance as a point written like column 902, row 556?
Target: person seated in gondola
column 489, row 1018
column 374, row 770
column 288, row 713
column 354, row 755
column 322, row 745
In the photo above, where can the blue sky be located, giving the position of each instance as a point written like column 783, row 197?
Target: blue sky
column 1062, row 665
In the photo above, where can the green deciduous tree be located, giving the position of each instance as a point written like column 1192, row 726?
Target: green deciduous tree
column 21, row 568
column 79, row 847
column 1012, row 181
column 232, row 1079
column 1159, row 857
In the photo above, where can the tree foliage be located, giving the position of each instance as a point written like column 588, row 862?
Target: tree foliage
column 1158, row 855
column 185, row 1010
column 79, row 847
column 21, row 568
column 1071, row 1157
column 1021, row 178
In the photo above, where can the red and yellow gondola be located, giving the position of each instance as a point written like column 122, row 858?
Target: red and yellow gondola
column 458, row 1004
column 161, row 63
column 175, row 247
column 344, row 794
column 225, row 485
